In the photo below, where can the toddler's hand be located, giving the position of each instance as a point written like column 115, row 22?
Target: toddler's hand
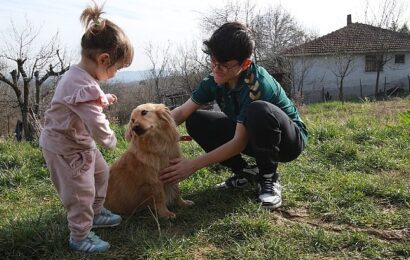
column 111, row 98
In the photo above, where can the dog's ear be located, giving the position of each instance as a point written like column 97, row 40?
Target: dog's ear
column 128, row 132
column 165, row 114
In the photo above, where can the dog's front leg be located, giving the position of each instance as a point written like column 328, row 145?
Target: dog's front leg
column 179, row 200
column 160, row 205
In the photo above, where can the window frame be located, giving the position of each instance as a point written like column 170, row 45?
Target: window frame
column 371, row 62
column 402, row 59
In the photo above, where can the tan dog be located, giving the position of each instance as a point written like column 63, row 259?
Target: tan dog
column 134, row 184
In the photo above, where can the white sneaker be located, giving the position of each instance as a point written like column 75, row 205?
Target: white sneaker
column 240, row 180
column 270, row 193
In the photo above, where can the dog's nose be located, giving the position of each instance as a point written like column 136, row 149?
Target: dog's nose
column 138, row 129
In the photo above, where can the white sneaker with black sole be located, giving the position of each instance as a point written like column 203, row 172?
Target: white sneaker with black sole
column 270, row 193
column 249, row 174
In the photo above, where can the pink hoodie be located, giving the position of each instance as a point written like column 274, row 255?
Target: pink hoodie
column 75, row 118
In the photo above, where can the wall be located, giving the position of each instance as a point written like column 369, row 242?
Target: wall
column 319, row 75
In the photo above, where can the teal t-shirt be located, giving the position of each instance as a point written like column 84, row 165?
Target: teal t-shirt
column 253, row 84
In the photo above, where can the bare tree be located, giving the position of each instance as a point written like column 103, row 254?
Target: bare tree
column 299, row 70
column 274, row 30
column 239, row 11
column 159, row 58
column 189, row 67
column 389, row 16
column 19, row 50
column 344, row 66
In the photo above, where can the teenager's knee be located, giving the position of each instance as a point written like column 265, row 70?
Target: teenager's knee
column 259, row 113
column 193, row 123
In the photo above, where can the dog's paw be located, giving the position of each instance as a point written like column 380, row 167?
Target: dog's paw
column 185, row 203
column 167, row 215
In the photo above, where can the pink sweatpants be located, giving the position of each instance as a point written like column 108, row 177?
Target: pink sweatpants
column 81, row 180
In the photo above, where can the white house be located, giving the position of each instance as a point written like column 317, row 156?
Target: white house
column 354, row 57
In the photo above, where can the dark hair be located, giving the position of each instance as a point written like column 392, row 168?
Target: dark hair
column 103, row 36
column 231, row 41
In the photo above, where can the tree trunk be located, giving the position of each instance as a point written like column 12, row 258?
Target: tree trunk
column 24, row 114
column 323, row 95
column 385, row 86
column 376, row 91
column 341, row 96
column 408, row 77
column 26, row 129
column 37, row 104
column 361, row 89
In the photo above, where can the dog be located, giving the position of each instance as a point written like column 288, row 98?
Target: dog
column 134, row 178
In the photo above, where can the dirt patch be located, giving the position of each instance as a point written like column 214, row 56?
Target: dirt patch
column 301, row 216
column 202, row 252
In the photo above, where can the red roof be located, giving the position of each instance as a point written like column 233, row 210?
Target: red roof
column 354, row 38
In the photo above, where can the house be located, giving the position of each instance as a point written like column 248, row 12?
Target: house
column 355, row 61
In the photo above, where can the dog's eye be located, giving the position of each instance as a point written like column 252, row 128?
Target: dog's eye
column 144, row 112
column 132, row 120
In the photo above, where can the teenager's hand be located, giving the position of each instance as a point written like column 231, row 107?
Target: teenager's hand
column 179, row 170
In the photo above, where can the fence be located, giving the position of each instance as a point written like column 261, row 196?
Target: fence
column 359, row 91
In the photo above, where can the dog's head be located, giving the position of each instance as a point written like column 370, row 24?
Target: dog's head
column 149, row 119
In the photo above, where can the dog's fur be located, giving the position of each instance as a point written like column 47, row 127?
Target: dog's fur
column 134, row 184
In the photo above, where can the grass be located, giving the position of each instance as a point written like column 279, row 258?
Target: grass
column 346, row 196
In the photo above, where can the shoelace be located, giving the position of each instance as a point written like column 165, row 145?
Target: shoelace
column 266, row 183
column 93, row 237
column 105, row 212
column 233, row 180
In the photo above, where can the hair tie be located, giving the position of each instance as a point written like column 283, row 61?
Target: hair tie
column 97, row 21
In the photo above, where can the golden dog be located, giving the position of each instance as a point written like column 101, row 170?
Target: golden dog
column 134, row 184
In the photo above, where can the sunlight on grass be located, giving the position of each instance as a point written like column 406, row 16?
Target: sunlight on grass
column 352, row 179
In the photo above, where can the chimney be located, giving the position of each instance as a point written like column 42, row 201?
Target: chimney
column 349, row 19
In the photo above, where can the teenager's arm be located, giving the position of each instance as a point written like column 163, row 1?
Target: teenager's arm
column 236, row 145
column 181, row 168
column 181, row 113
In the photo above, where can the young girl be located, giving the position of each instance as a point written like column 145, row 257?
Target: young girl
column 72, row 123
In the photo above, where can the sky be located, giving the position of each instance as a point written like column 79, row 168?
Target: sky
column 161, row 22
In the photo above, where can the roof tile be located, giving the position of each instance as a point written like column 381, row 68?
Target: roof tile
column 354, row 38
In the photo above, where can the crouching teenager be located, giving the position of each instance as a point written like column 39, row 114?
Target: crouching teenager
column 257, row 119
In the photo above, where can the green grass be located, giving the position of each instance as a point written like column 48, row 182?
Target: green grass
column 347, row 196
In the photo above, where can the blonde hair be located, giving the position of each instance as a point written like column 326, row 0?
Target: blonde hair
column 103, row 36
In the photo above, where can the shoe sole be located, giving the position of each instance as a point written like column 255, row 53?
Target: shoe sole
column 226, row 187
column 92, row 252
column 106, row 226
column 266, row 205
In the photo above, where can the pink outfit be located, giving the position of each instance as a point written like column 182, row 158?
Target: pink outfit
column 75, row 117
column 77, row 168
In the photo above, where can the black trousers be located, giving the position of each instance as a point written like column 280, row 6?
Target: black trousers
column 273, row 136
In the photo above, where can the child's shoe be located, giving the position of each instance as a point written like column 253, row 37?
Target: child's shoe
column 91, row 244
column 106, row 219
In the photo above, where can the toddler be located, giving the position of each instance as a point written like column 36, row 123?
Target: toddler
column 75, row 121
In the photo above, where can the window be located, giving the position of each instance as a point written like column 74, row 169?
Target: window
column 399, row 58
column 373, row 62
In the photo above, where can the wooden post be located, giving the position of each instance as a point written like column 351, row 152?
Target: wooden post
column 361, row 89
column 323, row 95
column 408, row 77
column 385, row 83
column 8, row 125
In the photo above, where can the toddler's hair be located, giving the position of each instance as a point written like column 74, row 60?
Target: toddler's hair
column 231, row 41
column 103, row 36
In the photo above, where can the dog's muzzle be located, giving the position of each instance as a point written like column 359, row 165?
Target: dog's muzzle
column 138, row 129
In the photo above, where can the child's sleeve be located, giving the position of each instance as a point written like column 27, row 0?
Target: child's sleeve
column 88, row 94
column 84, row 103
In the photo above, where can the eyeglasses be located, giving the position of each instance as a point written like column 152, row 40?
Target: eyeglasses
column 222, row 66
